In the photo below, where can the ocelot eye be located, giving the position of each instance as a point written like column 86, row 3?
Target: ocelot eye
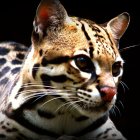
column 84, row 63
column 116, row 68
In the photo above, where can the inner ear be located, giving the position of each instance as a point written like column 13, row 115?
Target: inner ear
column 118, row 25
column 51, row 15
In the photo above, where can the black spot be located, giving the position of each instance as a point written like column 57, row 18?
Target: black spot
column 15, row 70
column 46, row 114
column 107, row 130
column 19, row 47
column 96, row 29
column 97, row 35
column 4, row 71
column 40, row 52
column 4, row 81
column 20, row 56
column 16, row 62
column 12, row 130
column 89, row 90
column 4, row 127
column 7, row 123
column 81, row 118
column 99, row 135
column 114, row 135
column 4, row 51
column 2, row 122
column 44, row 62
column 2, row 61
column 35, row 69
column 90, row 43
column 2, row 136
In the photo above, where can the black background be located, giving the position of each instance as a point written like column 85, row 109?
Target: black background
column 16, row 19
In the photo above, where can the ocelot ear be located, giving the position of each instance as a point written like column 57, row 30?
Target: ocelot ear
column 118, row 25
column 50, row 17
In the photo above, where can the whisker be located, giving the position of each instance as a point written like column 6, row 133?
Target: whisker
column 68, row 102
column 129, row 47
column 73, row 104
column 51, row 100
column 113, row 111
column 120, row 102
column 117, row 110
column 122, row 86
column 125, row 85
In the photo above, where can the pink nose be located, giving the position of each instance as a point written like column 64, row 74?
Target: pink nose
column 107, row 93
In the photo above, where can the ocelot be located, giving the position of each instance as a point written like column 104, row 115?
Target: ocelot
column 64, row 85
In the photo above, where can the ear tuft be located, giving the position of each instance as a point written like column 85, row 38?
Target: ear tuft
column 118, row 25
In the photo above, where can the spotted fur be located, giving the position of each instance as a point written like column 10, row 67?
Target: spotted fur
column 65, row 84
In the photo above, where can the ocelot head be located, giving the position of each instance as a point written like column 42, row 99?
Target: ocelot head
column 73, row 63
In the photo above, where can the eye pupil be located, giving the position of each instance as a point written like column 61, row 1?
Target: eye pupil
column 81, row 62
column 116, row 69
column 84, row 63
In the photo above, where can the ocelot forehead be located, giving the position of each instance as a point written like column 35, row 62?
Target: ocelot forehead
column 82, row 36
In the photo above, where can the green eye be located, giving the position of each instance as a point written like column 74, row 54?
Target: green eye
column 84, row 63
column 116, row 68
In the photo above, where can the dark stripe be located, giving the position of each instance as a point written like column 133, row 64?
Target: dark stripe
column 4, row 51
column 2, row 136
column 18, row 116
column 84, row 30
column 91, row 49
column 19, row 92
column 16, row 62
column 58, row 79
column 44, row 62
column 46, row 114
column 93, row 126
column 81, row 118
column 59, row 60
column 109, row 38
column 35, row 69
column 23, row 136
column 15, row 70
column 2, row 61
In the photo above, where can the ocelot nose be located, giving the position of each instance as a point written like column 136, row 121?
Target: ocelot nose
column 107, row 93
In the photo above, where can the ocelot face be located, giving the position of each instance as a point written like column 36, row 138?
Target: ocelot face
column 85, row 71
column 76, row 60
